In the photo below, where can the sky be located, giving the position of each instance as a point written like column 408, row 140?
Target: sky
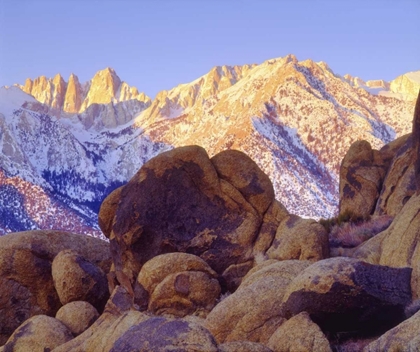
column 155, row 45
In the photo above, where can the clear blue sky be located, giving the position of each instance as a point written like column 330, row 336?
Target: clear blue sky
column 158, row 44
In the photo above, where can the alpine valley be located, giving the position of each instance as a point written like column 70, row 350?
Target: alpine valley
column 64, row 146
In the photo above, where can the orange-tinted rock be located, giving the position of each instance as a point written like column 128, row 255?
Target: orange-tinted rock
column 76, row 279
column 302, row 239
column 77, row 316
column 253, row 311
column 73, row 97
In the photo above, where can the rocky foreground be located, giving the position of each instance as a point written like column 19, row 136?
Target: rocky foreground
column 201, row 257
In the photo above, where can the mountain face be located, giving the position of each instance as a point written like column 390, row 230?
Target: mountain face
column 71, row 144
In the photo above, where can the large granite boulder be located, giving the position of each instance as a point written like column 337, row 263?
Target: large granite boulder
column 302, row 239
column 39, row 333
column 181, row 201
column 299, row 333
column 347, row 295
column 179, row 284
column 26, row 282
column 253, row 311
column 361, row 175
column 397, row 246
column 77, row 279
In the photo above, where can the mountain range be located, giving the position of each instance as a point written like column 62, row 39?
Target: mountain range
column 66, row 145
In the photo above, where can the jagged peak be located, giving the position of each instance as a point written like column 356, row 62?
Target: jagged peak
column 58, row 79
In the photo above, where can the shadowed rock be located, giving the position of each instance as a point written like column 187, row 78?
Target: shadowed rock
column 343, row 294
column 397, row 246
column 404, row 337
column 361, row 175
column 181, row 201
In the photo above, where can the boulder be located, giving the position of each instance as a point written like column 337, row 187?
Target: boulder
column 298, row 238
column 399, row 184
column 243, row 346
column 26, row 283
column 177, row 283
column 181, row 201
column 155, row 270
column 107, row 211
column 76, row 279
column 121, row 328
column 299, row 333
column 117, row 318
column 162, row 334
column 347, row 295
column 361, row 175
column 244, row 174
column 77, row 316
column 185, row 293
column 271, row 220
column 253, row 311
column 39, row 333
column 397, row 246
column 403, row 337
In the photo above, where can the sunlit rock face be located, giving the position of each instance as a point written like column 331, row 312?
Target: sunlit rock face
column 72, row 97
column 407, row 85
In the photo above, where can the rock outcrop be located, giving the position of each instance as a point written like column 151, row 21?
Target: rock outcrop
column 181, row 201
column 26, row 282
column 399, row 184
column 253, row 312
column 361, row 176
column 205, row 259
column 347, row 295
column 104, row 88
column 398, row 246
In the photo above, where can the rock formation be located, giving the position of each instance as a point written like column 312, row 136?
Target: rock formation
column 205, row 259
column 71, row 97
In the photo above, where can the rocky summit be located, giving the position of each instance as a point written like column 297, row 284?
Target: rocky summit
column 65, row 144
column 201, row 256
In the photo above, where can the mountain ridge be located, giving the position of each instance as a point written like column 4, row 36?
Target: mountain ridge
column 296, row 119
